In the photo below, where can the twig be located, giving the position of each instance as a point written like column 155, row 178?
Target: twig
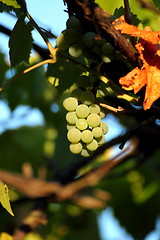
column 26, row 71
column 149, row 5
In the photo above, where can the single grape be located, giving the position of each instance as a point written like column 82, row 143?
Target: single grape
column 61, row 42
column 102, row 113
column 107, row 49
column 87, row 136
column 73, row 22
column 83, row 81
column 92, row 146
column 75, row 50
column 81, row 124
column 104, row 127
column 105, row 59
column 70, row 104
column 88, row 39
column 87, row 97
column 71, row 118
column 85, row 152
column 100, row 140
column 94, row 108
column 76, row 93
column 69, row 126
column 82, row 111
column 93, row 120
column 75, row 148
column 70, row 36
column 74, row 135
column 97, row 132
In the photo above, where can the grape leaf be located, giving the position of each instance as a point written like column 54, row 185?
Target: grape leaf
column 64, row 73
column 149, row 52
column 20, row 42
column 12, row 3
column 4, row 197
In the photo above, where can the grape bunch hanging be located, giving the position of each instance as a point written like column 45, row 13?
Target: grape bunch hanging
column 76, row 42
column 86, row 129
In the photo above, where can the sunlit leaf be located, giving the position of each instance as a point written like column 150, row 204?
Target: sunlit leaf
column 12, row 3
column 4, row 197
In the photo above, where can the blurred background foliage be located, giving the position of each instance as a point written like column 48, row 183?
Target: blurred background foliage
column 135, row 193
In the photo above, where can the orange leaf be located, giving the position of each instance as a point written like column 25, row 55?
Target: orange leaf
column 149, row 53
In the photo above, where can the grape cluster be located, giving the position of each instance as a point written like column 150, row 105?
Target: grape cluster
column 85, row 128
column 77, row 42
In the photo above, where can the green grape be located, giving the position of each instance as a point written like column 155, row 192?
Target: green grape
column 81, row 124
column 73, row 22
column 87, row 136
column 104, row 127
column 61, row 42
column 75, row 50
column 70, row 104
column 74, row 135
column 92, row 146
column 71, row 118
column 102, row 114
column 93, row 120
column 69, row 126
column 107, row 49
column 100, row 41
column 85, row 152
column 100, row 140
column 102, row 91
column 88, row 39
column 82, row 111
column 75, row 148
column 83, row 81
column 97, row 132
column 105, row 59
column 94, row 108
column 76, row 93
column 70, row 36
column 87, row 97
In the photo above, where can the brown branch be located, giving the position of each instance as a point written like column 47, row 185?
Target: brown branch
column 149, row 5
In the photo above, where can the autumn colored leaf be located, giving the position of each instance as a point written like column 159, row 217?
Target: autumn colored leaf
column 149, row 52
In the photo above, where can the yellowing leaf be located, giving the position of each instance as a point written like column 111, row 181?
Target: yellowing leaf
column 4, row 198
column 12, row 3
column 148, row 75
column 5, row 236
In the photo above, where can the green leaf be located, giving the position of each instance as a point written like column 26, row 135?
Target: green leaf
column 4, row 197
column 157, row 3
column 12, row 3
column 64, row 73
column 121, row 11
column 20, row 42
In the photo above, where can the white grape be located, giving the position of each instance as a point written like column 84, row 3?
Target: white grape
column 97, row 132
column 81, row 124
column 74, row 135
column 71, row 118
column 93, row 120
column 70, row 104
column 92, row 146
column 82, row 111
column 87, row 136
column 75, row 148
